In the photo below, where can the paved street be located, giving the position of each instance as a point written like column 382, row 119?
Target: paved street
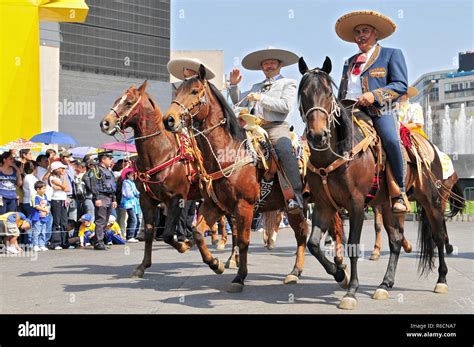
column 88, row 281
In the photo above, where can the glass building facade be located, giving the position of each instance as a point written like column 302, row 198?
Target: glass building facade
column 119, row 38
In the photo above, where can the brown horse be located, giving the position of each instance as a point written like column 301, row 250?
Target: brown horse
column 341, row 161
column 452, row 194
column 162, row 167
column 232, row 181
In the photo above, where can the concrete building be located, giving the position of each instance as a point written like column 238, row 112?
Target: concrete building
column 86, row 67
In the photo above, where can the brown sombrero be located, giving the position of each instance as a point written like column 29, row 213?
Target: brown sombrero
column 346, row 24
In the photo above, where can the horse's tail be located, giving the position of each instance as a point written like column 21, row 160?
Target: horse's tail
column 337, row 228
column 456, row 199
column 425, row 244
column 271, row 221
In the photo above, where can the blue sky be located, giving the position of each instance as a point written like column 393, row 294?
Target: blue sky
column 430, row 33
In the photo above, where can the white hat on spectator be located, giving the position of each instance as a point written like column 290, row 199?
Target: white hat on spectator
column 57, row 165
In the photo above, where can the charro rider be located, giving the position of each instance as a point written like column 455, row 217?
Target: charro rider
column 272, row 100
column 376, row 76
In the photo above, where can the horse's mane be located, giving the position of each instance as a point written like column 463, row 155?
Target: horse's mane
column 231, row 124
column 316, row 79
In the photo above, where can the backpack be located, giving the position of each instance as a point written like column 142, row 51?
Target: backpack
column 80, row 189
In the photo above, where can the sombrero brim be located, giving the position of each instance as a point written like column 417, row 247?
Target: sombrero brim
column 412, row 91
column 252, row 61
column 176, row 66
column 346, row 24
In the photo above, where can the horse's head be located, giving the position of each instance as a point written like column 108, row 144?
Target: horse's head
column 317, row 103
column 124, row 111
column 190, row 103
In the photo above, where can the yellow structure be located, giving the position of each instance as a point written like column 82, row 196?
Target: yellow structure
column 20, row 109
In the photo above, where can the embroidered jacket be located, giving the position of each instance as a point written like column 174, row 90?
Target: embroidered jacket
column 384, row 74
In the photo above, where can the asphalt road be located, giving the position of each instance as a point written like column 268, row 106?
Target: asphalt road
column 88, row 281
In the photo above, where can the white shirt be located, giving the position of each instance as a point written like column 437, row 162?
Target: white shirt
column 40, row 172
column 29, row 188
column 354, row 85
column 57, row 193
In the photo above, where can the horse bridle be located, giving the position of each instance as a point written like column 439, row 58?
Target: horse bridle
column 120, row 121
column 125, row 118
column 199, row 100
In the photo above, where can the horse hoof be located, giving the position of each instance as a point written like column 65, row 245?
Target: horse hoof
column 441, row 288
column 215, row 242
column 348, row 303
column 220, row 268
column 235, row 288
column 449, row 248
column 407, row 247
column 291, row 279
column 231, row 264
column 344, row 284
column 380, row 294
column 374, row 256
column 137, row 274
column 220, row 246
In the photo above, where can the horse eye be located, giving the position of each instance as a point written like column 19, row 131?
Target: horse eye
column 194, row 92
column 128, row 103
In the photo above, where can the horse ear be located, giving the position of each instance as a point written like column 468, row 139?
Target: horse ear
column 142, row 88
column 327, row 66
column 202, row 72
column 302, row 66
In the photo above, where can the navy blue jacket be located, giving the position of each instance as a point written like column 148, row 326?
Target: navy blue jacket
column 384, row 74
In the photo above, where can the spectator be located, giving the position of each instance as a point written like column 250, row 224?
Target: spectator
column 58, row 181
column 40, row 216
column 10, row 178
column 86, row 230
column 10, row 223
column 113, row 234
column 83, row 194
column 52, row 155
column 130, row 203
column 67, row 160
column 42, row 173
column 103, row 190
column 25, row 156
column 28, row 193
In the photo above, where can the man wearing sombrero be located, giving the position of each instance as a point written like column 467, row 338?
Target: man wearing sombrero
column 376, row 77
column 272, row 100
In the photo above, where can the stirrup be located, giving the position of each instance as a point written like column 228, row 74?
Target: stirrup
column 294, row 206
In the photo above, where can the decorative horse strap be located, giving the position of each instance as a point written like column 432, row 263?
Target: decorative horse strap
column 371, row 138
column 185, row 154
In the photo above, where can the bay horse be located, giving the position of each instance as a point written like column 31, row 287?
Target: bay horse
column 341, row 161
column 452, row 194
column 162, row 165
column 232, row 181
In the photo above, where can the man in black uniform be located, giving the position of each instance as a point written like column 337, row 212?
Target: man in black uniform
column 103, row 191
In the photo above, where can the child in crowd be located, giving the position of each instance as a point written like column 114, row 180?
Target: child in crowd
column 86, row 230
column 10, row 225
column 39, row 217
column 113, row 234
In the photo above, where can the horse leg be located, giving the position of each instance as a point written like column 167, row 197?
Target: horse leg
column 434, row 225
column 320, row 221
column 337, row 233
column 174, row 212
column 392, row 224
column 208, row 214
column 356, row 218
column 214, row 234
column 405, row 243
column 300, row 227
column 223, row 241
column 149, row 209
column 244, row 216
column 378, row 234
column 447, row 245
column 233, row 261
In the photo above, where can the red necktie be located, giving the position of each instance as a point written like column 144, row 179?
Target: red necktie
column 361, row 59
